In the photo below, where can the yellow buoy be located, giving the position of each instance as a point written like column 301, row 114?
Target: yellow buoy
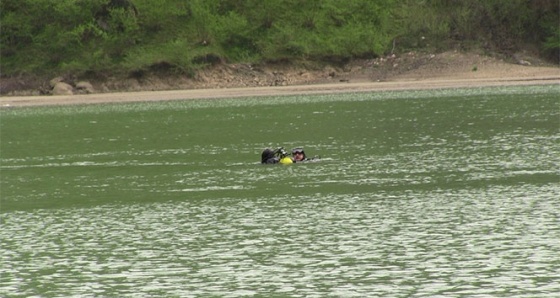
column 286, row 161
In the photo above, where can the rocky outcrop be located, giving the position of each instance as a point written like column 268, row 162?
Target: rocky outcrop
column 85, row 87
column 62, row 88
column 410, row 65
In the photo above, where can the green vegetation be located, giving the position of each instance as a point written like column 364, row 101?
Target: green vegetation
column 92, row 36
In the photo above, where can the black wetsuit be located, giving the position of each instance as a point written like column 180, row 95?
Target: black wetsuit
column 268, row 156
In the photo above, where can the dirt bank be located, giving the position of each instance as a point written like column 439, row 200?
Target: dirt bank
column 408, row 71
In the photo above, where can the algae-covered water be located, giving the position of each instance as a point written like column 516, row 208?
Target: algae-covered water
column 441, row 193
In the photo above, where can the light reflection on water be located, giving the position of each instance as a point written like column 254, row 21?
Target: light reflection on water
column 499, row 241
column 407, row 201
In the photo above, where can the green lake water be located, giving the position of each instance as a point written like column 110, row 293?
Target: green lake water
column 441, row 193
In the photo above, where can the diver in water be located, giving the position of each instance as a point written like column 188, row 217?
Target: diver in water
column 269, row 156
column 298, row 155
column 278, row 155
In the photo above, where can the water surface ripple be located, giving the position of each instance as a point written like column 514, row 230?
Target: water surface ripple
column 436, row 196
column 475, row 242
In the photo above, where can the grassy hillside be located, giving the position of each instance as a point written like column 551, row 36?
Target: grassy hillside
column 123, row 36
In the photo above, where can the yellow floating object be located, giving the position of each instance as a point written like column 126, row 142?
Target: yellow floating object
column 286, row 161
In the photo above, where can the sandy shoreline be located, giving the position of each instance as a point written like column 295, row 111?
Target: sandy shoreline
column 341, row 87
